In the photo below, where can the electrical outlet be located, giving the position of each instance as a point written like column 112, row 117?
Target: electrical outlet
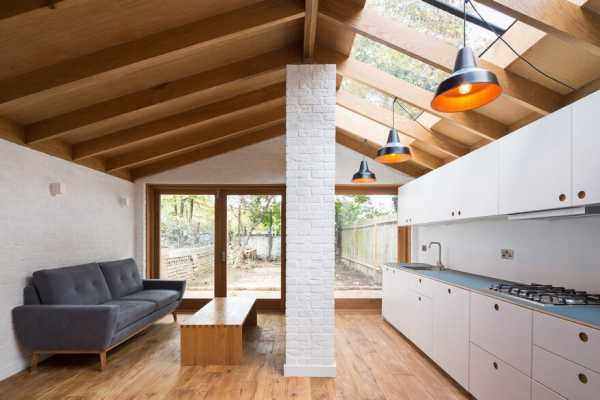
column 423, row 247
column 507, row 254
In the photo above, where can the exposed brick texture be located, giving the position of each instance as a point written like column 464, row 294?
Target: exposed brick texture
column 310, row 179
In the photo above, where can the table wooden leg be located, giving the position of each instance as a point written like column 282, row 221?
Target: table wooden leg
column 252, row 319
column 103, row 361
column 35, row 359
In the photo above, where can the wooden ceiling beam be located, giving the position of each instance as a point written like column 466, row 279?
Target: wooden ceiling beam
column 206, row 87
column 367, row 149
column 365, row 129
column 479, row 124
column 562, row 18
column 404, row 125
column 189, row 119
column 154, row 49
column 310, row 28
column 11, row 131
column 208, row 151
column 264, row 117
column 438, row 54
column 11, row 8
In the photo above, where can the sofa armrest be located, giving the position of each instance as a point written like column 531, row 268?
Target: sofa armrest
column 165, row 284
column 65, row 327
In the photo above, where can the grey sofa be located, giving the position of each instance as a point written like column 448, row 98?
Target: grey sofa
column 90, row 308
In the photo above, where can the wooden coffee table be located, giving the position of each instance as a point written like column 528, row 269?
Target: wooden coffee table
column 213, row 335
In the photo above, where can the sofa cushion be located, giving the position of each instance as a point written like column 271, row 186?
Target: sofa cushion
column 161, row 297
column 132, row 311
column 80, row 284
column 122, row 276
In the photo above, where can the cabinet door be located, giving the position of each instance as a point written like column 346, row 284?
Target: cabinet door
column 586, row 141
column 422, row 323
column 451, row 331
column 476, row 178
column 387, row 300
column 535, row 165
column 492, row 379
column 404, row 205
column 403, row 310
column 540, row 392
column 502, row 329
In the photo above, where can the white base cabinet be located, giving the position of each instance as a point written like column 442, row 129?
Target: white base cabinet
column 451, row 331
column 492, row 379
column 540, row 392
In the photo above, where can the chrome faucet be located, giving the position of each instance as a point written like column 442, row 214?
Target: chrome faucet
column 439, row 262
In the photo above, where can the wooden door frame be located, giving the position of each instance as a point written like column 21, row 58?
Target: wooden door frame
column 153, row 192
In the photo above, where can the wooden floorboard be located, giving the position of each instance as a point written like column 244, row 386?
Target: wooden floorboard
column 374, row 362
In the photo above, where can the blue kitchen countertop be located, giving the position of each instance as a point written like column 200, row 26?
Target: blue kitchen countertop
column 583, row 314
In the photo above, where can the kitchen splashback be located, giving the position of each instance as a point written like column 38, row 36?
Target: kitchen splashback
column 562, row 252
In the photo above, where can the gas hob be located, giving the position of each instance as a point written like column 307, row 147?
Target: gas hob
column 547, row 294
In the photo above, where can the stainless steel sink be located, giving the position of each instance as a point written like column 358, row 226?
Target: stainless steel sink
column 417, row 266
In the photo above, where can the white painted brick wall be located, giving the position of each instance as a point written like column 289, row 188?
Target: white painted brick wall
column 37, row 231
column 310, row 207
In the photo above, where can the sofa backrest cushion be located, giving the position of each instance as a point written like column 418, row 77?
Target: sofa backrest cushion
column 122, row 276
column 80, row 284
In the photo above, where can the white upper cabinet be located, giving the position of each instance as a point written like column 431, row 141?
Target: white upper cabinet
column 535, row 165
column 477, row 183
column 586, row 145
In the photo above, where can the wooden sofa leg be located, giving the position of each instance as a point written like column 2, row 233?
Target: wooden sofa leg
column 35, row 359
column 174, row 316
column 102, row 360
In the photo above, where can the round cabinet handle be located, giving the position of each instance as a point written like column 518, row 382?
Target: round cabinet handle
column 583, row 378
column 581, row 194
column 583, row 336
column 449, row 291
column 419, row 280
column 496, row 307
column 458, row 212
column 419, row 298
column 495, row 364
column 562, row 197
column 453, row 213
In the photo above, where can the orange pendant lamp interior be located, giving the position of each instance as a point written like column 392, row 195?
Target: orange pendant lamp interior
column 469, row 87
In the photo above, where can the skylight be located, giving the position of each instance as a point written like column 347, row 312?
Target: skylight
column 441, row 24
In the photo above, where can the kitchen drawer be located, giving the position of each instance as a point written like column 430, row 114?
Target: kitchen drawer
column 541, row 392
column 422, row 285
column 502, row 329
column 565, row 377
column 492, row 379
column 567, row 339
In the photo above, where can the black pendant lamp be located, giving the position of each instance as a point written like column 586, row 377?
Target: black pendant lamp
column 364, row 174
column 469, row 87
column 393, row 152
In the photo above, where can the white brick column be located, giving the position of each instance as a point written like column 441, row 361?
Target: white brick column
column 310, row 227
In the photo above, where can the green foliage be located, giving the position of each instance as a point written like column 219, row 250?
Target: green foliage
column 186, row 220
column 350, row 210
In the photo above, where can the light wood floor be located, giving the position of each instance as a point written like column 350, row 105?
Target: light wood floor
column 373, row 362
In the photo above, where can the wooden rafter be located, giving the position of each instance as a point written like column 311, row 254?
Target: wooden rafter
column 206, row 87
column 479, row 124
column 11, row 8
column 186, row 120
column 365, row 129
column 439, row 54
column 179, row 160
column 310, row 28
column 367, row 149
column 265, row 115
column 562, row 18
column 155, row 49
column 404, row 125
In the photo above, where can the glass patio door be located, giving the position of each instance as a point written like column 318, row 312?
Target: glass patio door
column 187, row 242
column 254, row 253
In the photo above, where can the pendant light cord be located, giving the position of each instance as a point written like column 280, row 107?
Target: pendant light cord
column 412, row 117
column 465, row 23
column 499, row 37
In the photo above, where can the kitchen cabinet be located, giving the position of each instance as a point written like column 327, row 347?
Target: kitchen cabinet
column 422, row 322
column 396, row 304
column 569, row 340
column 586, row 142
column 502, row 329
column 535, row 165
column 451, row 331
column 564, row 377
column 492, row 379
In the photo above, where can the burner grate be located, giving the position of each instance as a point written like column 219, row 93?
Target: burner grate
column 547, row 294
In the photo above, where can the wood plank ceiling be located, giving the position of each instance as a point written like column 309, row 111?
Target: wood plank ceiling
column 137, row 88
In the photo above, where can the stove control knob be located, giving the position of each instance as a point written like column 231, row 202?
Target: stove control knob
column 583, row 336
